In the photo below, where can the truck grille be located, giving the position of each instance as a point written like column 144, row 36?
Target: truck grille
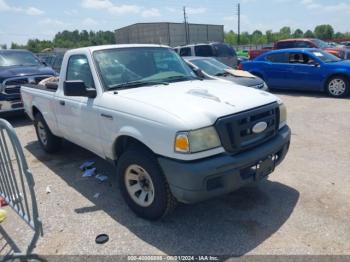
column 236, row 131
column 13, row 85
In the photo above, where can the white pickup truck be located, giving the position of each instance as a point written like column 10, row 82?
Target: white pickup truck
column 173, row 137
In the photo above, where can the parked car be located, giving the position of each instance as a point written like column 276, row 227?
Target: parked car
column 52, row 59
column 173, row 136
column 347, row 53
column 221, row 51
column 303, row 69
column 18, row 67
column 301, row 43
column 243, row 53
column 345, row 43
column 213, row 69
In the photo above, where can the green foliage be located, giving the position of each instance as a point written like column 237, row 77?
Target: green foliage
column 285, row 32
column 231, row 38
column 69, row 39
column 298, row 33
column 324, row 32
column 259, row 38
column 309, row 34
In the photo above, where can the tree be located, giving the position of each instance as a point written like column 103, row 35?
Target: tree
column 324, row 32
column 298, row 33
column 339, row 35
column 285, row 32
column 230, row 38
column 17, row 46
column 3, row 46
column 245, row 38
column 270, row 36
column 309, row 34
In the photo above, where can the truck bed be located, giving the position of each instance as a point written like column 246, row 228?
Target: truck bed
column 48, row 87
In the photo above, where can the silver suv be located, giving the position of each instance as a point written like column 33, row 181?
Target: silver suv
column 221, row 51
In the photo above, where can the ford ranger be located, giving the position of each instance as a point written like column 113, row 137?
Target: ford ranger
column 173, row 137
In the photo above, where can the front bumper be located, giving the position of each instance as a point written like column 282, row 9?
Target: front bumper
column 10, row 103
column 194, row 181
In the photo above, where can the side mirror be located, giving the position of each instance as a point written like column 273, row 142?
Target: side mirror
column 199, row 73
column 78, row 88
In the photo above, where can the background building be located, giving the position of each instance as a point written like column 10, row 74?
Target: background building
column 172, row 34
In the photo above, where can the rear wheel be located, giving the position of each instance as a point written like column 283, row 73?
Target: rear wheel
column 49, row 142
column 143, row 184
column 338, row 86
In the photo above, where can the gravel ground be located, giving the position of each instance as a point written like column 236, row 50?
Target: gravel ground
column 302, row 209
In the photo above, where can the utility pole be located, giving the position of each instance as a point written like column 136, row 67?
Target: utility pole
column 239, row 23
column 186, row 26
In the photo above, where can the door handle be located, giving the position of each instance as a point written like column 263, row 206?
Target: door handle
column 107, row 116
column 62, row 103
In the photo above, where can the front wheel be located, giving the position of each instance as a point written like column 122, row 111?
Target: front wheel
column 338, row 86
column 143, row 185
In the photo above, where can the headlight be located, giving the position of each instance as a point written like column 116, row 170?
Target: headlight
column 197, row 140
column 283, row 115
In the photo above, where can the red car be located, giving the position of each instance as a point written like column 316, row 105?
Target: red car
column 301, row 43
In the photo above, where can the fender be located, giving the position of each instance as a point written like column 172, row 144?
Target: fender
column 340, row 71
column 130, row 132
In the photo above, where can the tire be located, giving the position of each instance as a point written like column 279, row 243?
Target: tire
column 49, row 142
column 134, row 165
column 338, row 86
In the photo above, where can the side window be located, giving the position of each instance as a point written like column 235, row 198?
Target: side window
column 79, row 69
column 204, row 50
column 302, row 44
column 285, row 45
column 186, row 51
column 278, row 58
column 300, row 58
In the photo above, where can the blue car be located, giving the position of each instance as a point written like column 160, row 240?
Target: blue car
column 302, row 69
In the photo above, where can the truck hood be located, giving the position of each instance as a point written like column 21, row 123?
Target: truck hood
column 16, row 71
column 198, row 103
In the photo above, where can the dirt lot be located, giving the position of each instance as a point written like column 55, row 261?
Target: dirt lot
column 303, row 209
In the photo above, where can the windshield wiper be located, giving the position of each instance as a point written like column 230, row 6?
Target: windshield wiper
column 222, row 74
column 134, row 84
column 179, row 78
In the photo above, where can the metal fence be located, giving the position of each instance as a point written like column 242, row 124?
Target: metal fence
column 17, row 184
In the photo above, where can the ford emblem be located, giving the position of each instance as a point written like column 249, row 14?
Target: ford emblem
column 259, row 127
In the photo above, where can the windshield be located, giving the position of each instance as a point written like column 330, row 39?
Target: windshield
column 320, row 44
column 325, row 57
column 18, row 59
column 210, row 66
column 121, row 67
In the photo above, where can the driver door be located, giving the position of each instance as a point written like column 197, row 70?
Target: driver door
column 305, row 72
column 78, row 116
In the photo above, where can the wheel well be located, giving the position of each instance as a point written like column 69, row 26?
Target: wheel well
column 35, row 111
column 124, row 142
column 332, row 76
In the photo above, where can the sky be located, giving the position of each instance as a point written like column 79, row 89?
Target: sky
column 42, row 19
